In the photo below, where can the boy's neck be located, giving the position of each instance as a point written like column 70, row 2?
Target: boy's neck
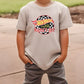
column 43, row 2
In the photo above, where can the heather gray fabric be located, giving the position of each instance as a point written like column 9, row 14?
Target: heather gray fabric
column 56, row 74
column 42, row 26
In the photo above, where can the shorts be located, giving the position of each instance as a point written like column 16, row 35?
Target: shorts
column 56, row 74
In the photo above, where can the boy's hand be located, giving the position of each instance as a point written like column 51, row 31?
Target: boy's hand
column 25, row 59
column 21, row 48
column 60, row 59
column 29, row 61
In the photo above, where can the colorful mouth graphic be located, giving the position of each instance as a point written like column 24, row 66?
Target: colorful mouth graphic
column 44, row 24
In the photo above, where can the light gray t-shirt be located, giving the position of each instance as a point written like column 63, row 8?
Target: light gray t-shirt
column 42, row 26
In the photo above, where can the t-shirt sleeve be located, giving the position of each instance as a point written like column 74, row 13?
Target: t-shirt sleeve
column 65, row 20
column 21, row 24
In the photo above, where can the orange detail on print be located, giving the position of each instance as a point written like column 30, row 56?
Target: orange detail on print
column 44, row 24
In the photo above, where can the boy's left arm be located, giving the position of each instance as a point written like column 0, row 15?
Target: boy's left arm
column 64, row 39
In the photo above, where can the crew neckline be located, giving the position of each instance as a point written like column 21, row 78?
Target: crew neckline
column 44, row 6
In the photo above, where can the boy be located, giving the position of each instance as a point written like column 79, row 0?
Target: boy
column 42, row 40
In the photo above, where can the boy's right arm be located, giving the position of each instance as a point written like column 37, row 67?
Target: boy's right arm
column 20, row 46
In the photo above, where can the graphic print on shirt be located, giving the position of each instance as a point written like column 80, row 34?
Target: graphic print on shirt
column 44, row 24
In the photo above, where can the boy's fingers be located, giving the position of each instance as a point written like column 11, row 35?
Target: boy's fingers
column 56, row 60
column 31, row 62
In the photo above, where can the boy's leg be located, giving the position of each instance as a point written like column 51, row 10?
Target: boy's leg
column 56, row 74
column 33, row 74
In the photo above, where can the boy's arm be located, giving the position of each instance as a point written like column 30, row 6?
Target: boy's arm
column 20, row 46
column 64, row 39
column 65, row 22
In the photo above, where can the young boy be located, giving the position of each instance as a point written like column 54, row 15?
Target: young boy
column 42, row 40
